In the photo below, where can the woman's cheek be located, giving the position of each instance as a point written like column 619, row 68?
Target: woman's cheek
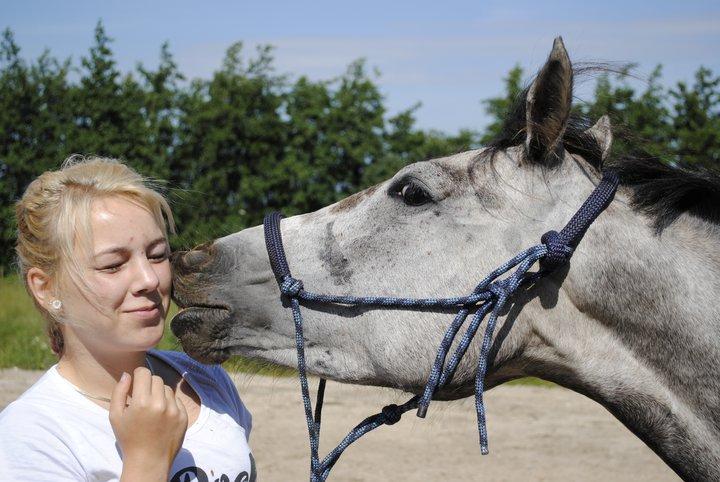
column 111, row 291
column 165, row 277
column 165, row 273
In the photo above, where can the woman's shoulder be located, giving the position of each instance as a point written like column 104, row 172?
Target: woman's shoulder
column 35, row 429
column 42, row 397
column 45, row 405
column 27, row 418
column 35, row 444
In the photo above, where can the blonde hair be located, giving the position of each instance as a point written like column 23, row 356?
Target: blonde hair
column 53, row 215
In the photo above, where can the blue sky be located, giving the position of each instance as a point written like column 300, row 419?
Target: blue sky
column 448, row 55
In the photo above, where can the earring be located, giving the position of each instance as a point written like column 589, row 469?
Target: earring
column 56, row 304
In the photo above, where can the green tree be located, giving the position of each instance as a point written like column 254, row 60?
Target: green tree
column 498, row 108
column 355, row 128
column 34, row 122
column 680, row 125
column 248, row 140
column 639, row 121
column 109, row 110
column 232, row 137
column 405, row 144
column 307, row 159
column 159, row 109
column 696, row 120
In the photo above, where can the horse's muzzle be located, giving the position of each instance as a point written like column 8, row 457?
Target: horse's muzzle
column 197, row 328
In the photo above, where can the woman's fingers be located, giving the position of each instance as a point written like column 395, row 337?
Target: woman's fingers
column 170, row 404
column 175, row 406
column 141, row 387
column 153, row 425
column 183, row 411
column 157, row 391
column 118, row 399
column 169, row 396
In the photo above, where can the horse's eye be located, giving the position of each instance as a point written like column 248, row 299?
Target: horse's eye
column 413, row 194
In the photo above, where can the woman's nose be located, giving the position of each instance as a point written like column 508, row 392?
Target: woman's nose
column 148, row 279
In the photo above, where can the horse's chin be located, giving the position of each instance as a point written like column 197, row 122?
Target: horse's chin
column 208, row 357
column 188, row 326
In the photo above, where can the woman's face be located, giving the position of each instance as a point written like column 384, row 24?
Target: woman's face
column 127, row 278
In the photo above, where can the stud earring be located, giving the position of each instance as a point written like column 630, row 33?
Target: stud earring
column 56, row 304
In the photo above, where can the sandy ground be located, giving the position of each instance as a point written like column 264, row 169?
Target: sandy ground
column 535, row 434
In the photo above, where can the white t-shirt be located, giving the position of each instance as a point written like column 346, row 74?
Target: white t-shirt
column 52, row 432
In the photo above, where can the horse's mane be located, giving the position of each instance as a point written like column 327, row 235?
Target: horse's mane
column 661, row 190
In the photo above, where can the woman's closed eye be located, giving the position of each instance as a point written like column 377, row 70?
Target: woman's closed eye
column 160, row 256
column 112, row 268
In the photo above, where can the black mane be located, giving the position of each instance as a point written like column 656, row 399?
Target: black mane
column 659, row 189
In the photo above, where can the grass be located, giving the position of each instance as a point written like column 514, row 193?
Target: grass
column 532, row 381
column 23, row 342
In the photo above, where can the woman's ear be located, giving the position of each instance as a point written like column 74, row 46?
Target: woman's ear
column 41, row 287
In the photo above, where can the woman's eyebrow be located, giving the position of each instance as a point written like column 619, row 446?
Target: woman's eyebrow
column 116, row 249
column 157, row 241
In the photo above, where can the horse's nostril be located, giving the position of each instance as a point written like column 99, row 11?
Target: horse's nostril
column 175, row 256
column 195, row 258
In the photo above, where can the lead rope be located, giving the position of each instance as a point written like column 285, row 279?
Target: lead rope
column 489, row 296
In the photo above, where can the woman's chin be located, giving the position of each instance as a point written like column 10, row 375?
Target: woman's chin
column 152, row 336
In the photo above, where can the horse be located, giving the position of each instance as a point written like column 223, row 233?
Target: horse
column 631, row 321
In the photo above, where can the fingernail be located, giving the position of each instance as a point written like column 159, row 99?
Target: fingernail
column 124, row 376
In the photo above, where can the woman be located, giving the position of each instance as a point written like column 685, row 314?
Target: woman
column 93, row 251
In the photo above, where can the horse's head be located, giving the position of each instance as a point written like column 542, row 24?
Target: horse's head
column 433, row 230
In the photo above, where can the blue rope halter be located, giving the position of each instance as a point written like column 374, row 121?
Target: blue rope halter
column 490, row 296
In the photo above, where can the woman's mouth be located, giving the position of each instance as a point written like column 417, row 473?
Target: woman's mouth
column 146, row 312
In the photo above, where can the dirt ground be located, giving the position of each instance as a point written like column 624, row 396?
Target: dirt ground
column 536, row 434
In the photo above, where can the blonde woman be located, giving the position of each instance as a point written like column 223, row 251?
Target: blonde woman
column 93, row 251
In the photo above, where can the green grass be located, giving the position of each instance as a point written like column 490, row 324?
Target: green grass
column 532, row 381
column 23, row 342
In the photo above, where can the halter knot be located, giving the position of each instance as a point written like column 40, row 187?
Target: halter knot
column 291, row 287
column 498, row 288
column 559, row 252
column 391, row 414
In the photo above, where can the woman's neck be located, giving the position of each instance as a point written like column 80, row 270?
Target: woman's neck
column 97, row 373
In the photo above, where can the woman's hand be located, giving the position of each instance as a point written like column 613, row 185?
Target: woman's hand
column 150, row 429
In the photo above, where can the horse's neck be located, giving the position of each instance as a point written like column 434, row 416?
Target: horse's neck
column 647, row 325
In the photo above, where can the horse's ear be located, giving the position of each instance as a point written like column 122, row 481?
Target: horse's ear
column 602, row 132
column 548, row 106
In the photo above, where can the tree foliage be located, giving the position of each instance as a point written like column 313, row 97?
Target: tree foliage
column 249, row 139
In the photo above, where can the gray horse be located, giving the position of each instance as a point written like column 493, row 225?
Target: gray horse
column 631, row 322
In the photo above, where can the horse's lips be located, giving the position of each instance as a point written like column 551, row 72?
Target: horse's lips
column 189, row 326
